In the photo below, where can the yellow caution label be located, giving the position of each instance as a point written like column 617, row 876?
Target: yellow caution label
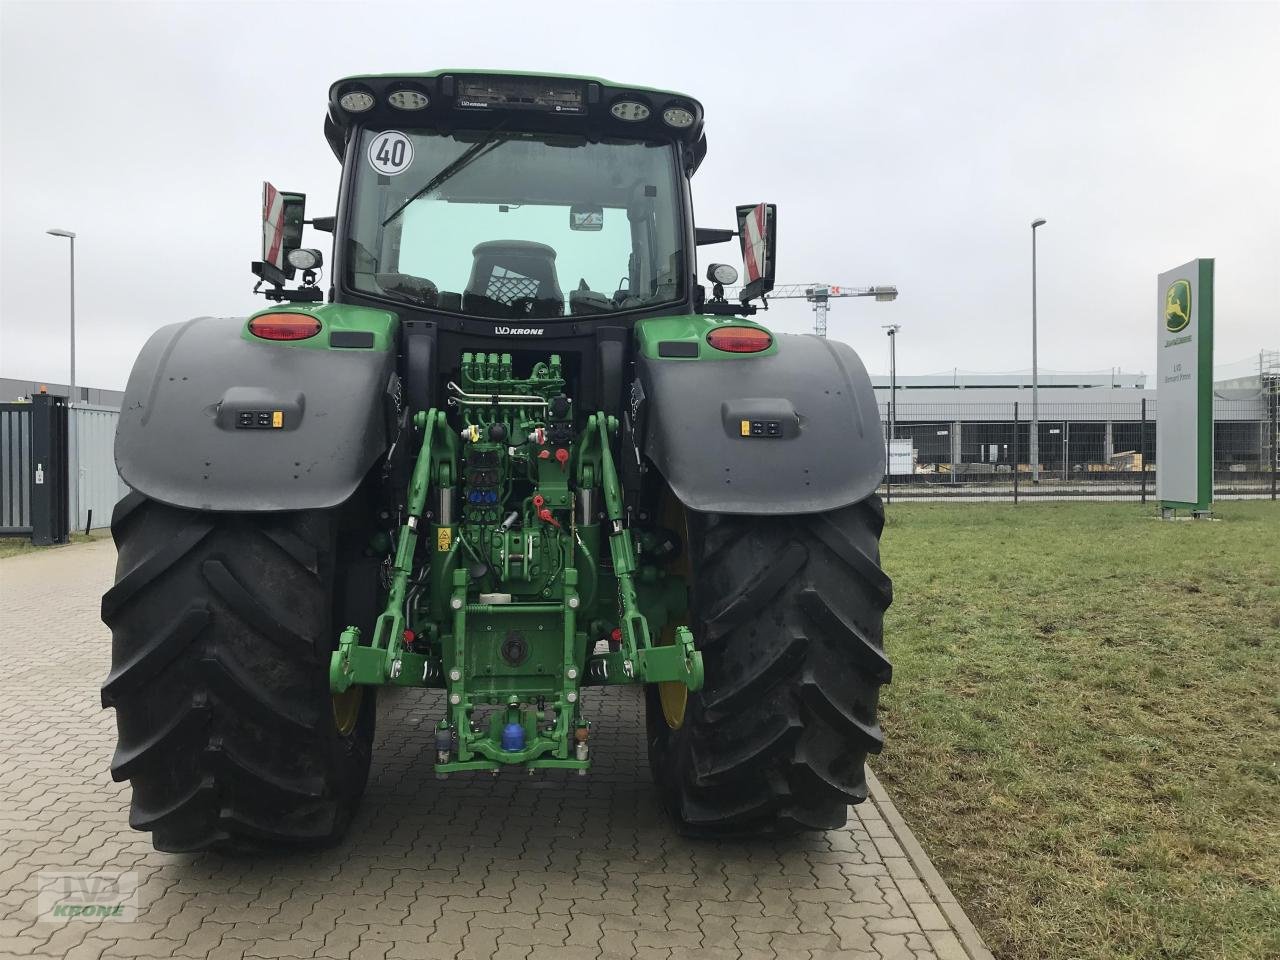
column 277, row 419
column 746, row 428
column 444, row 539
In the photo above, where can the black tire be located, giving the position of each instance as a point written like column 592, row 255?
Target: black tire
column 787, row 612
column 221, row 626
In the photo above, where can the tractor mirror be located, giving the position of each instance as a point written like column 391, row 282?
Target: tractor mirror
column 757, row 230
column 586, row 217
column 282, row 218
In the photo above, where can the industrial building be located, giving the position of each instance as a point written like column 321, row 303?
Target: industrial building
column 11, row 390
column 965, row 423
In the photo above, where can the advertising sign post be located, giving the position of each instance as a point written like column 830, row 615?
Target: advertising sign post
column 1184, row 389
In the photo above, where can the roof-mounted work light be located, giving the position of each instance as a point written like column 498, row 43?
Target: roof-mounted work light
column 356, row 101
column 678, row 117
column 408, row 99
column 632, row 111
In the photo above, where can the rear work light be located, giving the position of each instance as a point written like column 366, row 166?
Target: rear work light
column 740, row 339
column 284, row 326
column 356, row 101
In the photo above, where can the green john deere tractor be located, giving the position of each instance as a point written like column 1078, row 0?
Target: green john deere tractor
column 514, row 450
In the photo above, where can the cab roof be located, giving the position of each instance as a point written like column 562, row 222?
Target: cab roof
column 543, row 102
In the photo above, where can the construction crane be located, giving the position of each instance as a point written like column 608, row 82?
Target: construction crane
column 818, row 294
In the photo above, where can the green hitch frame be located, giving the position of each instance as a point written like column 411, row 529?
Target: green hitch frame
column 560, row 743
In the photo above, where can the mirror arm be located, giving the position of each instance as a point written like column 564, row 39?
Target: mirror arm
column 268, row 274
column 702, row 236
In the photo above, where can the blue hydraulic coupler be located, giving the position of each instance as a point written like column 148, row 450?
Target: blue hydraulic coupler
column 513, row 737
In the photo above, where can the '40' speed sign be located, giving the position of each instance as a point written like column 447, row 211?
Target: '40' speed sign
column 390, row 152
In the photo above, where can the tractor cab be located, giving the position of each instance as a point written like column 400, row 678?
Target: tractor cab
column 517, row 198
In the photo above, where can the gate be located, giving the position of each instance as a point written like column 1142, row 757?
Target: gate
column 33, row 470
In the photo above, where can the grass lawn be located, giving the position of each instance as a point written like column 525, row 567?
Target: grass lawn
column 13, row 546
column 1084, row 723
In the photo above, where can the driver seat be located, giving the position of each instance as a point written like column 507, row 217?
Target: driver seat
column 506, row 271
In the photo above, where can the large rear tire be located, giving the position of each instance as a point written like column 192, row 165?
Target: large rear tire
column 787, row 612
column 222, row 625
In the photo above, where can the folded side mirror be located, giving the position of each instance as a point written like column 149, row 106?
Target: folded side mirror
column 282, row 218
column 283, row 215
column 757, row 231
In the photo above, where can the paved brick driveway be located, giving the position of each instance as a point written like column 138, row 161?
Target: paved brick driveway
column 556, row 866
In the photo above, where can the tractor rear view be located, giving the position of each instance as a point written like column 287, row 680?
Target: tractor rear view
column 514, row 450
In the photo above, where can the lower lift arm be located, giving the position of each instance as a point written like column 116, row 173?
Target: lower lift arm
column 637, row 659
column 385, row 659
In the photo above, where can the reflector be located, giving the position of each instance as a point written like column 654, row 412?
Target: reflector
column 284, row 326
column 740, row 339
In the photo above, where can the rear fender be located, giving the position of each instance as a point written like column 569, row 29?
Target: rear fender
column 216, row 419
column 788, row 431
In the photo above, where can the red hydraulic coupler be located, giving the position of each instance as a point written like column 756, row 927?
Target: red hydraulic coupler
column 544, row 512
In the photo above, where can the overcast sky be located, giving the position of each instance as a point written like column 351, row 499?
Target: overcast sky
column 905, row 144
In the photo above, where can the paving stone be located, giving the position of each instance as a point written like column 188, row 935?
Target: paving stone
column 947, row 946
column 555, row 867
column 929, row 917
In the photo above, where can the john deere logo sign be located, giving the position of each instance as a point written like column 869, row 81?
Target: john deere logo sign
column 1177, row 305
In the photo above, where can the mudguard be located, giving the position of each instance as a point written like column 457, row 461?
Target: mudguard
column 215, row 420
column 792, row 431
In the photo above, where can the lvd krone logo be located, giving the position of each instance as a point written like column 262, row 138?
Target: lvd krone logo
column 1177, row 305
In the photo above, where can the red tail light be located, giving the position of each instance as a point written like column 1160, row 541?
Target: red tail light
column 740, row 339
column 284, row 326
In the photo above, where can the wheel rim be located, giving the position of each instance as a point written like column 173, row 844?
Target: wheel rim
column 346, row 709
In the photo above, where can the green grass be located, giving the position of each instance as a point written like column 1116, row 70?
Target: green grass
column 15, row 546
column 1084, row 723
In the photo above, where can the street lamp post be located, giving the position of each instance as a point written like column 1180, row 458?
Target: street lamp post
column 73, row 467
column 1035, row 366
column 892, row 330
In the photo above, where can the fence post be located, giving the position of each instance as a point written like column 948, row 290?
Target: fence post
column 1016, row 455
column 1142, row 445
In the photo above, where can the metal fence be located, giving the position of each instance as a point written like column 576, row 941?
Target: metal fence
column 37, row 494
column 99, row 485
column 15, row 468
column 1101, row 449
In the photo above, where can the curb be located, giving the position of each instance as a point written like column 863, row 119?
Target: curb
column 966, row 936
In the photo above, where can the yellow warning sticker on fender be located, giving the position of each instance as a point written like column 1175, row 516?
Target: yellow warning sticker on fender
column 444, row 539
